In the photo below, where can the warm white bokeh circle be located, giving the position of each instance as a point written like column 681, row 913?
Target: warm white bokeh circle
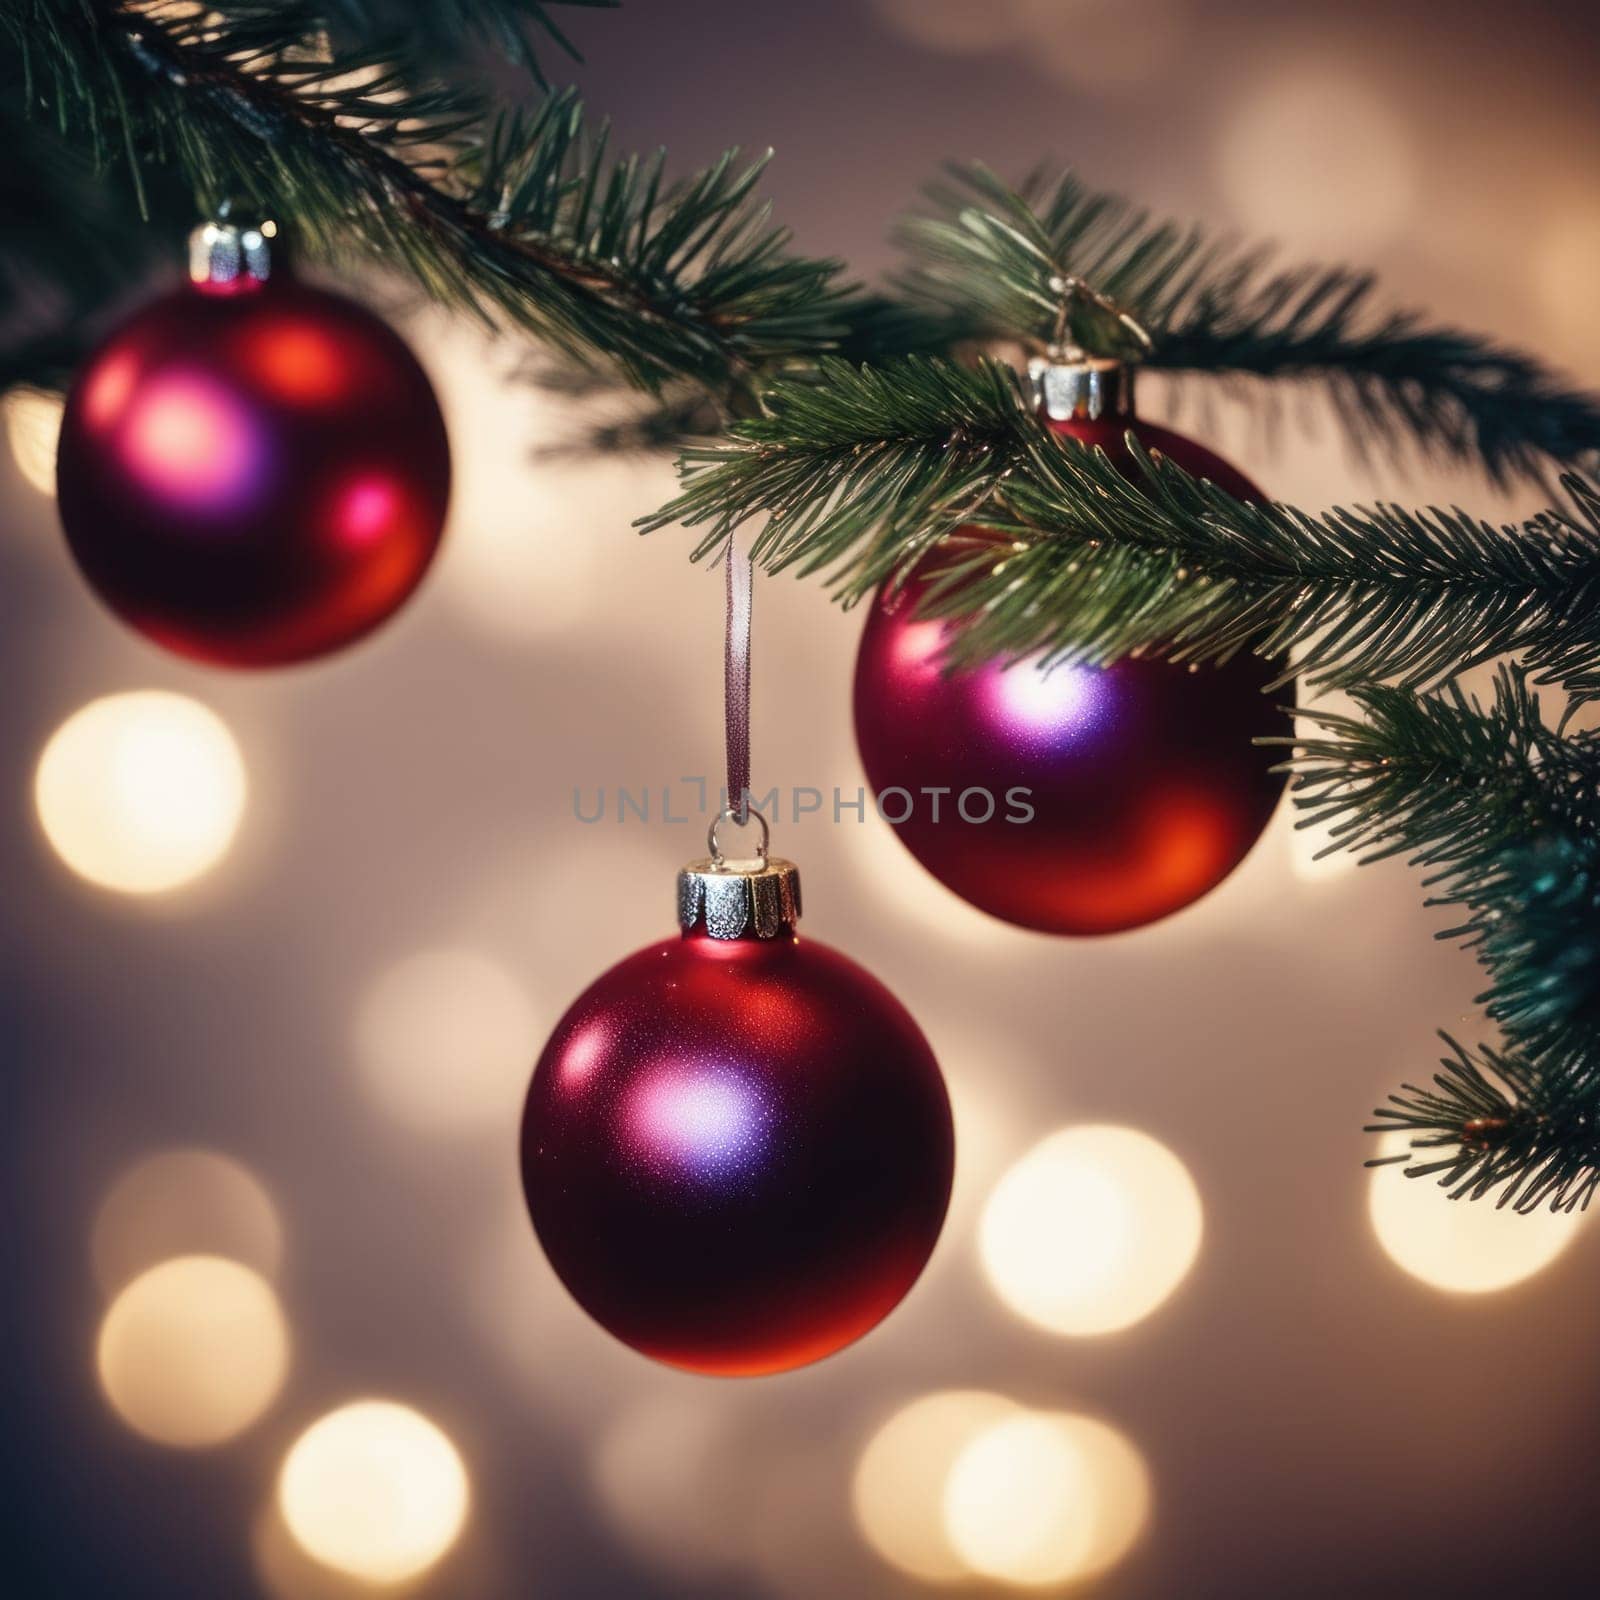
column 1461, row 1246
column 898, row 1491
column 374, row 1490
column 1091, row 1230
column 141, row 792
column 33, row 427
column 193, row 1351
column 1043, row 1499
column 184, row 1202
column 1564, row 256
column 1320, row 159
column 446, row 1040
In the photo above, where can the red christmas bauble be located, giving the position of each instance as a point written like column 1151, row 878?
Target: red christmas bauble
column 737, row 1153
column 1144, row 787
column 253, row 472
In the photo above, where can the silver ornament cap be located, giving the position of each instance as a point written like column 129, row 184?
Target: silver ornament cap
column 229, row 255
column 733, row 897
column 1080, row 388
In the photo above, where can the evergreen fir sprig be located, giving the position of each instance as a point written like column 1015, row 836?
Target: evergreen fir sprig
column 862, row 470
column 1492, row 1123
column 1000, row 260
column 523, row 219
column 436, row 30
column 1503, row 814
column 860, row 466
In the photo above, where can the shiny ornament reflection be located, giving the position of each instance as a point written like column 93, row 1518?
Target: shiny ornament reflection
column 255, row 477
column 442, row 1040
column 374, row 1490
column 33, row 425
column 193, row 1351
column 1045, row 1499
column 737, row 1154
column 141, row 792
column 1091, row 1230
column 185, row 1203
column 898, row 1492
column 1460, row 1246
column 1065, row 797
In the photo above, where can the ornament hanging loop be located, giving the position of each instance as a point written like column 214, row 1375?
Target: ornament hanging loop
column 751, row 814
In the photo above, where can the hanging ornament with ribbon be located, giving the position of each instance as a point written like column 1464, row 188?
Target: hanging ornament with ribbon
column 737, row 1147
column 1077, row 798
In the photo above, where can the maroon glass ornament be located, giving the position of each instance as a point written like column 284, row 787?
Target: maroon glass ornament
column 737, row 1148
column 1079, row 800
column 252, row 471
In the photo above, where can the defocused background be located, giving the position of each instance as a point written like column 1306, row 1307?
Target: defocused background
column 278, row 1324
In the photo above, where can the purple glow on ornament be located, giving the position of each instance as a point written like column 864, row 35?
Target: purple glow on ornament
column 190, row 440
column 700, row 1118
column 1059, row 703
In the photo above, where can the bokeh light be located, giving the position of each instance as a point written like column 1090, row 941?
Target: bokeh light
column 1091, row 1230
column 898, row 1492
column 953, row 27
column 446, row 1040
column 521, row 559
column 1045, row 1499
column 33, row 425
column 1565, row 260
column 1101, row 45
column 1304, row 120
column 184, row 1203
column 141, row 792
column 193, row 1351
column 374, row 1490
column 1460, row 1246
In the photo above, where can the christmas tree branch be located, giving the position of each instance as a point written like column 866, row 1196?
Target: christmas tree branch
column 868, row 467
column 1504, row 815
column 521, row 218
column 1493, row 1123
column 435, row 30
column 1503, row 812
column 1000, row 260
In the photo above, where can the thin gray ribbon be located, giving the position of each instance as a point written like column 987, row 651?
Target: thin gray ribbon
column 736, row 680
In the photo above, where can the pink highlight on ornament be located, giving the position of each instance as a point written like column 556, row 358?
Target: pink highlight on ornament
column 583, row 1052
column 366, row 510
column 702, row 1118
column 920, row 648
column 106, row 391
column 190, row 440
column 1059, row 702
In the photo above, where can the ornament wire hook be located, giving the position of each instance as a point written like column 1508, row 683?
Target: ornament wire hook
column 1069, row 287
